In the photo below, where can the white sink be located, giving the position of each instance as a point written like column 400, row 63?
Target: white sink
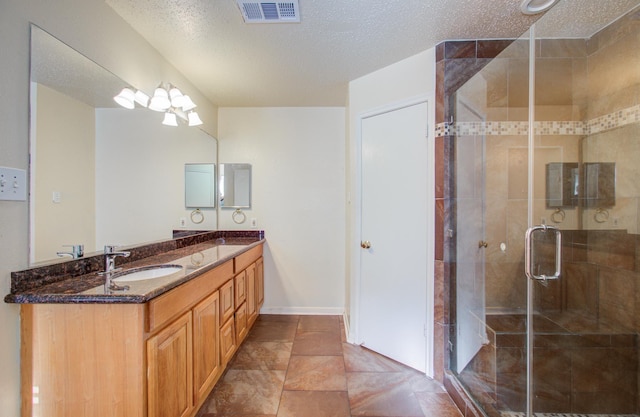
column 147, row 272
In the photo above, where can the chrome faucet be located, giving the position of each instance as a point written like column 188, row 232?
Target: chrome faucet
column 77, row 251
column 110, row 255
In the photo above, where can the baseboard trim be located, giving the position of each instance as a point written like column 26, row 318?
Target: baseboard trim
column 304, row 311
column 347, row 329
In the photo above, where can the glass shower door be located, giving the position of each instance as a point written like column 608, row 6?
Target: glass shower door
column 584, row 345
column 547, row 136
column 492, row 215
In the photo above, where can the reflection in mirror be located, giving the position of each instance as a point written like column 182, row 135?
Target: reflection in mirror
column 101, row 174
column 591, row 184
column 199, row 185
column 562, row 184
column 235, row 185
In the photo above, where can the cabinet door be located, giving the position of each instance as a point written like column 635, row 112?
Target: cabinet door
column 170, row 370
column 241, row 323
column 226, row 301
column 227, row 341
column 206, row 345
column 252, row 312
column 259, row 284
column 240, row 288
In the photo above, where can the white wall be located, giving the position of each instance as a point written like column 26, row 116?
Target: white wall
column 94, row 29
column 403, row 81
column 140, row 176
column 297, row 157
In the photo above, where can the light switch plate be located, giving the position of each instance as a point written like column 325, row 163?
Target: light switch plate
column 13, row 184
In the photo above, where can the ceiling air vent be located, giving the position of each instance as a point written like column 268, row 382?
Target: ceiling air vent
column 269, row 12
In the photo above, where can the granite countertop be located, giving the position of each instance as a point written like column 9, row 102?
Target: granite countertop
column 195, row 259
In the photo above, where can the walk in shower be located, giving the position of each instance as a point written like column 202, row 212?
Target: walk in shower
column 546, row 299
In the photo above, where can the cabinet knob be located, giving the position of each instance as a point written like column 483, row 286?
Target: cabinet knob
column 365, row 244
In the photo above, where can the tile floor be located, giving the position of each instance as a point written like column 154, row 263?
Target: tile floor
column 301, row 366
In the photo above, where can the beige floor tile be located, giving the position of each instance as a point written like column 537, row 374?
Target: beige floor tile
column 300, row 366
column 314, row 404
column 262, row 356
column 382, row 394
column 246, row 392
column 316, row 373
column 317, row 344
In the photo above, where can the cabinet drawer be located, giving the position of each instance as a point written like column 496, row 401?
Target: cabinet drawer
column 244, row 260
column 182, row 298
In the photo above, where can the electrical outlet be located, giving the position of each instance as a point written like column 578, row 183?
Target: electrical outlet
column 183, row 222
column 254, row 222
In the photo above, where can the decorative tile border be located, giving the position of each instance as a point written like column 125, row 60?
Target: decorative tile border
column 619, row 118
column 599, row 124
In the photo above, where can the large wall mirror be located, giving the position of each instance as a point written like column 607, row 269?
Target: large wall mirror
column 101, row 174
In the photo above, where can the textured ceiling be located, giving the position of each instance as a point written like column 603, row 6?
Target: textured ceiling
column 63, row 69
column 310, row 63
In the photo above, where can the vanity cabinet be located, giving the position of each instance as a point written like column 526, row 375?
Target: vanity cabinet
column 158, row 359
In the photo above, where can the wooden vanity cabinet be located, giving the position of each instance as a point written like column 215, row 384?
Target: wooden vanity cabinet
column 159, row 359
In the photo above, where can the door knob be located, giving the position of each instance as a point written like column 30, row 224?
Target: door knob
column 365, row 244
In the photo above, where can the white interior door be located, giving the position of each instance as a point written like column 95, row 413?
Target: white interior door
column 393, row 282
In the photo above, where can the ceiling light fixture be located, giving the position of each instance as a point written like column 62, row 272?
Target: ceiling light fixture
column 126, row 98
column 194, row 119
column 170, row 100
column 160, row 100
column 141, row 98
column 536, row 6
column 170, row 119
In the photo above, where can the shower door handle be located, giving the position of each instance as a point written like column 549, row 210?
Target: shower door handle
column 528, row 253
